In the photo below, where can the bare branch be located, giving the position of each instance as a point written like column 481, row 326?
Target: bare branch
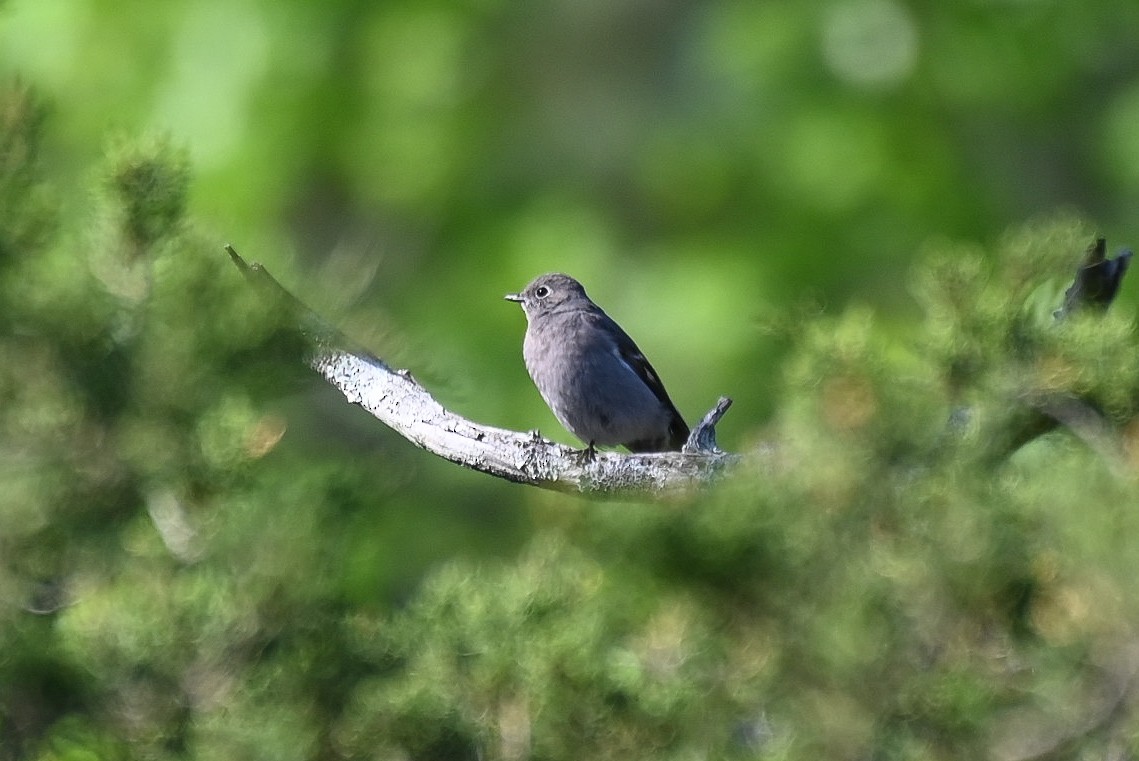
column 395, row 398
column 1087, row 424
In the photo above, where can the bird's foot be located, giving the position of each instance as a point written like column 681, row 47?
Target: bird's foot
column 587, row 455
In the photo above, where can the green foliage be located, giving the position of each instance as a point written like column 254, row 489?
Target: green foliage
column 996, row 343
column 29, row 219
column 149, row 184
column 554, row 656
column 162, row 592
column 202, row 557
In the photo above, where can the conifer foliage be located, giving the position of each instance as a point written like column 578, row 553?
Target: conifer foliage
column 937, row 560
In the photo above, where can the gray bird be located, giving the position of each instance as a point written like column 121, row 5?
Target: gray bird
column 591, row 374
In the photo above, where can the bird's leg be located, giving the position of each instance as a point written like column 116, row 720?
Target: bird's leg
column 587, row 455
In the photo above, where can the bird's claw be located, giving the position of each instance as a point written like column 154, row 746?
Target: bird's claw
column 587, row 455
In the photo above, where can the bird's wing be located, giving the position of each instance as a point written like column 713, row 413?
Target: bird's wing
column 632, row 356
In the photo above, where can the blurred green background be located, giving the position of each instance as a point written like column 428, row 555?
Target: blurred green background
column 208, row 554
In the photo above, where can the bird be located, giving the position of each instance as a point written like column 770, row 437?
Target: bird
column 590, row 372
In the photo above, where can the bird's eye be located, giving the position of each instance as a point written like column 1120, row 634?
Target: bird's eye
column 541, row 291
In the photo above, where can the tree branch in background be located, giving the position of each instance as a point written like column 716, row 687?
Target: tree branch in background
column 396, row 399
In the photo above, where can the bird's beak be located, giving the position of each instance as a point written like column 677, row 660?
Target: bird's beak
column 513, row 297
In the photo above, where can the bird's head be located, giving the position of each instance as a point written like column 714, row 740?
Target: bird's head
column 546, row 293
